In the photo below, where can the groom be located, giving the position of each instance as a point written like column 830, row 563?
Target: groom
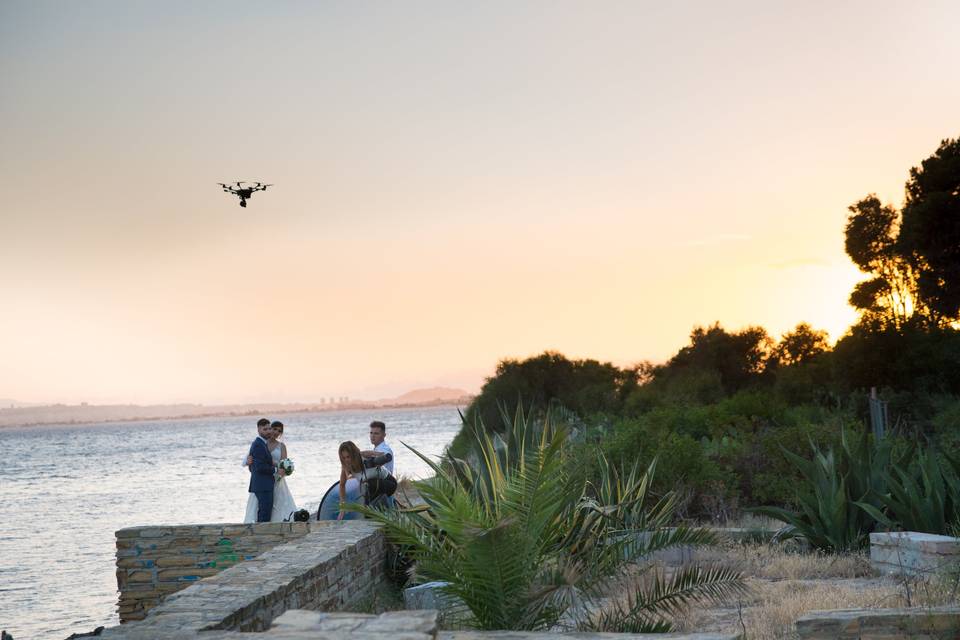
column 262, row 471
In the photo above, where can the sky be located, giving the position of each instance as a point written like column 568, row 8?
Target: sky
column 455, row 183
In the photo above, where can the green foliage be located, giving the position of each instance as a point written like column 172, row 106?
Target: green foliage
column 673, row 594
column 913, row 257
column 739, row 358
column 770, row 476
column 800, row 345
column 660, row 435
column 687, row 386
column 930, row 236
column 914, row 358
column 945, row 423
column 831, row 512
column 925, row 496
column 548, row 380
column 807, row 382
column 524, row 546
column 887, row 299
column 728, row 453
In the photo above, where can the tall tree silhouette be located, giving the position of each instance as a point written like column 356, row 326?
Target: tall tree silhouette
column 800, row 345
column 888, row 299
column 739, row 358
column 930, row 235
column 913, row 256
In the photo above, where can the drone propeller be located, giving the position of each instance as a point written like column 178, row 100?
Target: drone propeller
column 241, row 191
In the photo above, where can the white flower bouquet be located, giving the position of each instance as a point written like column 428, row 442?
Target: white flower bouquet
column 287, row 465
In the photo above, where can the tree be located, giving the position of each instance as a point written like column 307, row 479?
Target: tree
column 583, row 386
column 803, row 343
column 888, row 299
column 930, row 237
column 739, row 358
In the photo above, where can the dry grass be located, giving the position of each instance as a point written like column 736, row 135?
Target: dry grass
column 770, row 612
column 788, row 562
column 786, row 583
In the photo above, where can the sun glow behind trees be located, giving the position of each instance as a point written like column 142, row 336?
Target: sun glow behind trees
column 598, row 182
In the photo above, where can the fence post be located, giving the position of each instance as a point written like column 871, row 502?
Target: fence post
column 878, row 415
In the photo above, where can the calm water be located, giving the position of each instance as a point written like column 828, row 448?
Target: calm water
column 64, row 491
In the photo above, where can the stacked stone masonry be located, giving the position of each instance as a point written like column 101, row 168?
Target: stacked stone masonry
column 216, row 582
column 154, row 562
column 324, row 566
column 936, row 623
column 578, row 635
column 908, row 553
column 288, row 580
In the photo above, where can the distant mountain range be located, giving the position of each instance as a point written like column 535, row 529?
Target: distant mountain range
column 433, row 395
column 19, row 414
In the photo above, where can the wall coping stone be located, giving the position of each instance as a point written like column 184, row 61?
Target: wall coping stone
column 926, row 542
column 249, row 594
column 578, row 635
column 911, row 553
column 842, row 624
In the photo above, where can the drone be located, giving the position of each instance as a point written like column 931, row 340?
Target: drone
column 244, row 192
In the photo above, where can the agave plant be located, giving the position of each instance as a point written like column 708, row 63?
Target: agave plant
column 924, row 496
column 832, row 515
column 526, row 547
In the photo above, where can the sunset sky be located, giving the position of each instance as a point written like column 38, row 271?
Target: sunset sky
column 455, row 183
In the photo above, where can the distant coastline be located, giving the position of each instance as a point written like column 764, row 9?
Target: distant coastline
column 62, row 414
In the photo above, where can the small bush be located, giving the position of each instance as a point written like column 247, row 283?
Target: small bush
column 686, row 468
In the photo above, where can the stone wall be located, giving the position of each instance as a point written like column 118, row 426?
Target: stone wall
column 936, row 623
column 154, row 562
column 335, row 565
column 908, row 553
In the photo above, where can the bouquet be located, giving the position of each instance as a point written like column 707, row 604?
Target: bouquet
column 287, row 465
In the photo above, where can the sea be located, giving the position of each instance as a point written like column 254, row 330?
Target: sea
column 65, row 491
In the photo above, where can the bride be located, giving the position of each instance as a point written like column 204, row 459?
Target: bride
column 284, row 505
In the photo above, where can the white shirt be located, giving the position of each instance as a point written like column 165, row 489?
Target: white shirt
column 383, row 447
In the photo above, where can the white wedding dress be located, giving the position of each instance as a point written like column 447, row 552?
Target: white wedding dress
column 283, row 503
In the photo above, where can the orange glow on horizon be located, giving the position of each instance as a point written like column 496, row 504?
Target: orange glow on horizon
column 598, row 183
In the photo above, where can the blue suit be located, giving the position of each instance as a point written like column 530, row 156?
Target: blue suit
column 262, row 479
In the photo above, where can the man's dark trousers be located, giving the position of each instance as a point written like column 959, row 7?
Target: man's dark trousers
column 261, row 479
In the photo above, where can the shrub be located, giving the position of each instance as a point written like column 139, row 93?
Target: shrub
column 523, row 546
column 924, row 496
column 686, row 467
column 583, row 386
column 837, row 486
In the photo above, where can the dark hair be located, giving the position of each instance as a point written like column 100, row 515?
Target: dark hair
column 262, row 421
column 376, row 424
column 276, row 424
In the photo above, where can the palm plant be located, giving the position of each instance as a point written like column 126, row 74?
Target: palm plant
column 525, row 547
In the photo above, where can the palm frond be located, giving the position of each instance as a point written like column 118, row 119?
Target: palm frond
column 647, row 607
